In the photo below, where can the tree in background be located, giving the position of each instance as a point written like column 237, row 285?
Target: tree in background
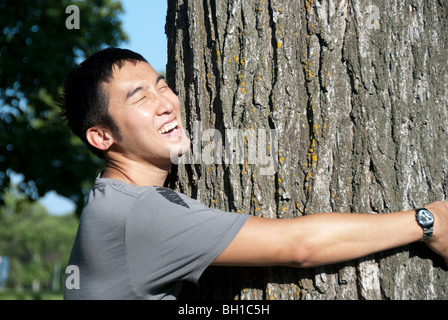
column 356, row 93
column 37, row 244
column 37, row 50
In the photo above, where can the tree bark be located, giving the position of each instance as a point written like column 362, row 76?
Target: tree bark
column 347, row 99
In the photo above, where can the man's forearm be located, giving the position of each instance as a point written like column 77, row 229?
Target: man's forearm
column 319, row 239
column 334, row 237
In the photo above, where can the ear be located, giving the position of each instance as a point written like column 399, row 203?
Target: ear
column 99, row 138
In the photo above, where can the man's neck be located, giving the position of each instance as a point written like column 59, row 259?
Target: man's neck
column 134, row 172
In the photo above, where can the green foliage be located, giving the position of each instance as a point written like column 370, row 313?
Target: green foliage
column 36, row 53
column 12, row 294
column 34, row 241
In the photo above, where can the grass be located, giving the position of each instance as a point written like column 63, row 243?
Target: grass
column 9, row 294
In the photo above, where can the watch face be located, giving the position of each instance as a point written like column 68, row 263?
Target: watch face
column 426, row 218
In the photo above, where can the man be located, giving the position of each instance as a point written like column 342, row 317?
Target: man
column 138, row 240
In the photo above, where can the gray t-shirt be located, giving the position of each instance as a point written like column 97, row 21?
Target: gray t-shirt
column 143, row 242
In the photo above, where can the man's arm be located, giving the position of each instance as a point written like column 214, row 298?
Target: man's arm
column 327, row 238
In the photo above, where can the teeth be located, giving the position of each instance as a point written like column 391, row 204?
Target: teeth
column 168, row 127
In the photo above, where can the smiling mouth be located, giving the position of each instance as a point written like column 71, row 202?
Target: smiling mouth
column 169, row 127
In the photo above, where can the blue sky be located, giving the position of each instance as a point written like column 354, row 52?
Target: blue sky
column 144, row 23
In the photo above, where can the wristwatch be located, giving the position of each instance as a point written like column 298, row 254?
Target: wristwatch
column 426, row 220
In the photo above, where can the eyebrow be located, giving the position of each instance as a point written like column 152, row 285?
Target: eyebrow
column 137, row 89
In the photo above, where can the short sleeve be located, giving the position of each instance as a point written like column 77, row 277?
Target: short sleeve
column 171, row 237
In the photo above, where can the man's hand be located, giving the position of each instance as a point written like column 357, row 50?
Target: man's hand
column 439, row 240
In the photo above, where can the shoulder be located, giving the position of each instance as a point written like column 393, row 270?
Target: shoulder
column 168, row 210
column 162, row 198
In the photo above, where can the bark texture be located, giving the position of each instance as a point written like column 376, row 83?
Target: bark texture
column 356, row 93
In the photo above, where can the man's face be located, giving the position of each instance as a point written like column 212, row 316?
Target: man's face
column 147, row 114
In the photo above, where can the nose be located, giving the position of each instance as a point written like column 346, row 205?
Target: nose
column 164, row 106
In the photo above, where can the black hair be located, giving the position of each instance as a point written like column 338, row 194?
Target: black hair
column 84, row 102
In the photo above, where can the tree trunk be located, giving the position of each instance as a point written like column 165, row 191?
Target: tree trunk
column 340, row 106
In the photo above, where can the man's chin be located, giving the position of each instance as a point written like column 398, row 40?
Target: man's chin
column 179, row 150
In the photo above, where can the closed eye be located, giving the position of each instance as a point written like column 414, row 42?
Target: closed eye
column 133, row 92
column 138, row 100
column 161, row 83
